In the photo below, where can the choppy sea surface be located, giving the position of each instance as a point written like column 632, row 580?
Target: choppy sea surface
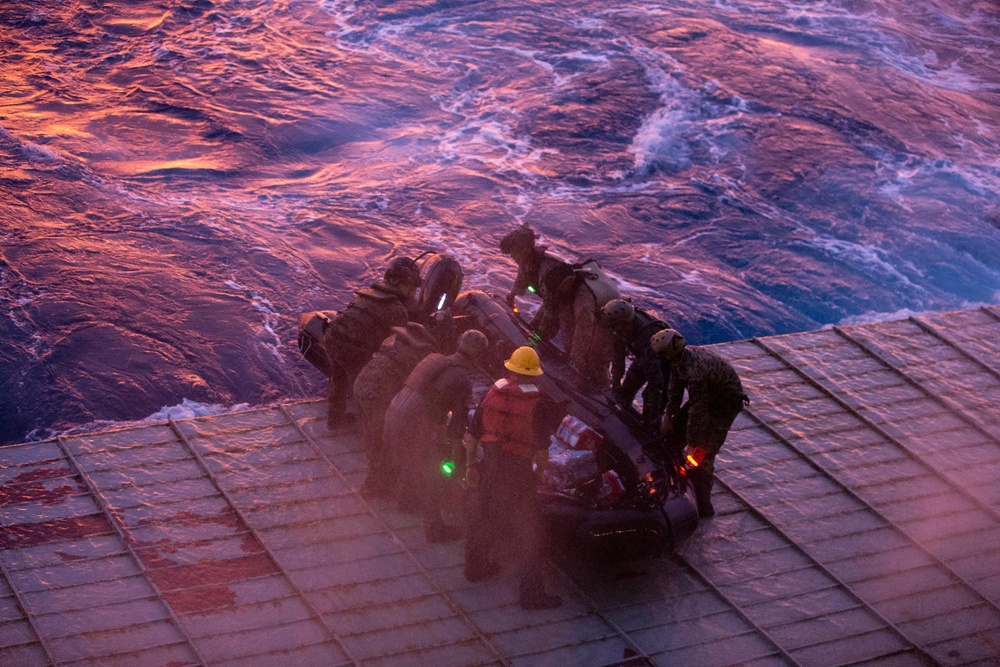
column 180, row 178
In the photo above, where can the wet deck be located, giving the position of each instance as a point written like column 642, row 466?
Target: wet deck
column 858, row 523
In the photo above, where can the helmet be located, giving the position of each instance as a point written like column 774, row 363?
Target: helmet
column 524, row 360
column 667, row 343
column 472, row 343
column 617, row 313
column 522, row 237
column 402, row 270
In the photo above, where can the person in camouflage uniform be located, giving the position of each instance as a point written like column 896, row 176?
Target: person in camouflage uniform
column 572, row 297
column 632, row 329
column 376, row 385
column 356, row 333
column 715, row 398
column 425, row 423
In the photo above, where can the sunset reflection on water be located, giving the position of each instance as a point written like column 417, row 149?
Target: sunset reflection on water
column 179, row 179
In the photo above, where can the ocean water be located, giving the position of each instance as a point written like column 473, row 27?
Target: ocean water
column 180, row 178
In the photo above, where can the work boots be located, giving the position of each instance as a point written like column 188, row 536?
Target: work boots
column 702, row 484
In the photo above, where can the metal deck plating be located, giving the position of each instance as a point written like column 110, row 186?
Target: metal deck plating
column 858, row 523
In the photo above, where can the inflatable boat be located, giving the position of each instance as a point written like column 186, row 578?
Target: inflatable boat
column 613, row 488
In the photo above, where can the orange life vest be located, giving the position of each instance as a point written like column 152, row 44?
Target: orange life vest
column 508, row 415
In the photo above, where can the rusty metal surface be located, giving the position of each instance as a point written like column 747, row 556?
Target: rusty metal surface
column 858, row 523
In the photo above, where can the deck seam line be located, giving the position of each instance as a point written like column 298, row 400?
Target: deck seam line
column 937, row 333
column 945, row 402
column 451, row 602
column 600, row 613
column 739, row 610
column 847, row 489
column 239, row 512
column 119, row 528
column 22, row 605
column 833, row 577
column 883, row 432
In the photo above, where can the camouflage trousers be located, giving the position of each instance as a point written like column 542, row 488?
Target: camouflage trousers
column 414, row 442
column 374, row 389
column 588, row 342
column 344, row 367
column 708, row 424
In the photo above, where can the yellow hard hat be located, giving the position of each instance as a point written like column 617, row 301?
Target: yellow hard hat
column 524, row 361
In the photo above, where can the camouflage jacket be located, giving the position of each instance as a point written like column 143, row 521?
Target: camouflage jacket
column 636, row 343
column 358, row 330
column 386, row 372
column 706, row 376
column 444, row 385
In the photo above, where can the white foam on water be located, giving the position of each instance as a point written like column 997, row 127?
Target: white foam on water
column 262, row 304
column 545, row 60
column 872, row 260
column 186, row 409
column 40, row 153
column 901, row 178
column 368, row 201
column 626, row 287
column 693, row 277
column 33, row 153
column 588, row 23
column 687, row 115
column 884, row 33
column 663, row 140
column 923, row 67
column 486, row 132
column 871, row 317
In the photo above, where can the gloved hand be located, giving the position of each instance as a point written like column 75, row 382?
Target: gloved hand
column 511, row 302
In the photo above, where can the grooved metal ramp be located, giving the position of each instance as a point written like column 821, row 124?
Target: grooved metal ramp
column 858, row 524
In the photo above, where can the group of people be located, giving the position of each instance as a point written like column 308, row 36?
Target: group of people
column 413, row 390
column 412, row 386
column 600, row 330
